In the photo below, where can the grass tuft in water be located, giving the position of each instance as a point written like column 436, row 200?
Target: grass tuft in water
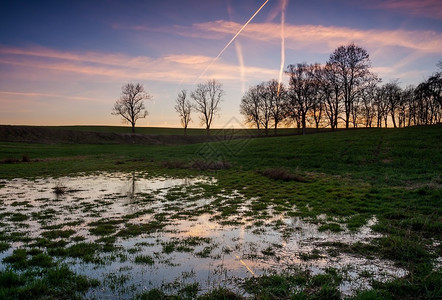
column 144, row 259
column 333, row 227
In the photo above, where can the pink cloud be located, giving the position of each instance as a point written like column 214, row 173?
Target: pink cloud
column 320, row 38
column 421, row 8
column 171, row 68
column 22, row 95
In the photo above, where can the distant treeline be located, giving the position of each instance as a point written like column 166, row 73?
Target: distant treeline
column 343, row 92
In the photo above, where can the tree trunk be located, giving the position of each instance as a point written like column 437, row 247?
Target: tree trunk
column 393, row 119
column 303, row 124
column 133, row 127
column 347, row 120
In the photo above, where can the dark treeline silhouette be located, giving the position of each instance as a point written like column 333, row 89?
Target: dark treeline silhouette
column 343, row 92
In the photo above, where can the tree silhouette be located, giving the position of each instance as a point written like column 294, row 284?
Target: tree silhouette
column 303, row 89
column 343, row 89
column 276, row 94
column 130, row 106
column 183, row 108
column 251, row 106
column 352, row 64
column 207, row 98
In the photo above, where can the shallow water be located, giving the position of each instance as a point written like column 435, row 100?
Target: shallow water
column 194, row 243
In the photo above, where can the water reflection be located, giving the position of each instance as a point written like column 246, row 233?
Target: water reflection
column 132, row 188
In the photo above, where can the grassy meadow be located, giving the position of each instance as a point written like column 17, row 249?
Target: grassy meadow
column 350, row 176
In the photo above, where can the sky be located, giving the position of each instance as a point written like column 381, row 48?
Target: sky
column 65, row 62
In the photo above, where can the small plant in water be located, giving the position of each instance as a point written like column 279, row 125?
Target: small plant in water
column 60, row 189
column 144, row 259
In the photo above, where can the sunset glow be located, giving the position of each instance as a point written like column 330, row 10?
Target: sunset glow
column 65, row 63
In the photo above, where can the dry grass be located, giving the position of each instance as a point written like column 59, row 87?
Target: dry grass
column 282, row 174
column 201, row 165
column 175, row 164
column 204, row 165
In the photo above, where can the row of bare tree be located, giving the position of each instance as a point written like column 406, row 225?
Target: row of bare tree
column 206, row 100
column 343, row 91
column 207, row 97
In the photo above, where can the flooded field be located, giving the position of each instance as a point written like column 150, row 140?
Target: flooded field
column 133, row 233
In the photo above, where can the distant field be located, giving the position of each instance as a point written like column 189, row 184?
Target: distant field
column 123, row 135
column 175, row 131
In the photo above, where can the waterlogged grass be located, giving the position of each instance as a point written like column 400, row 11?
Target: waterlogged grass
column 144, row 259
column 56, row 282
column 336, row 181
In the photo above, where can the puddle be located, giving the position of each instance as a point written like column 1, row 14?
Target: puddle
column 166, row 234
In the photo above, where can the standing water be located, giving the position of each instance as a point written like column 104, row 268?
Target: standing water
column 143, row 233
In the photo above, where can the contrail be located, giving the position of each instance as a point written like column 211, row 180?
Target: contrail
column 239, row 54
column 281, row 69
column 231, row 41
column 241, row 65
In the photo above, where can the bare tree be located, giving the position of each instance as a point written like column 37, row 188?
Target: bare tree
column 266, row 107
column 251, row 106
column 332, row 92
column 303, row 91
column 183, row 107
column 429, row 100
column 392, row 96
column 368, row 102
column 130, row 106
column 276, row 96
column 352, row 64
column 318, row 106
column 434, row 86
column 207, row 98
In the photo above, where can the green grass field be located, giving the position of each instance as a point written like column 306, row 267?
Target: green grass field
column 393, row 174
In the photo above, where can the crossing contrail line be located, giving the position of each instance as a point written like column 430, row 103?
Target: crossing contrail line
column 233, row 38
